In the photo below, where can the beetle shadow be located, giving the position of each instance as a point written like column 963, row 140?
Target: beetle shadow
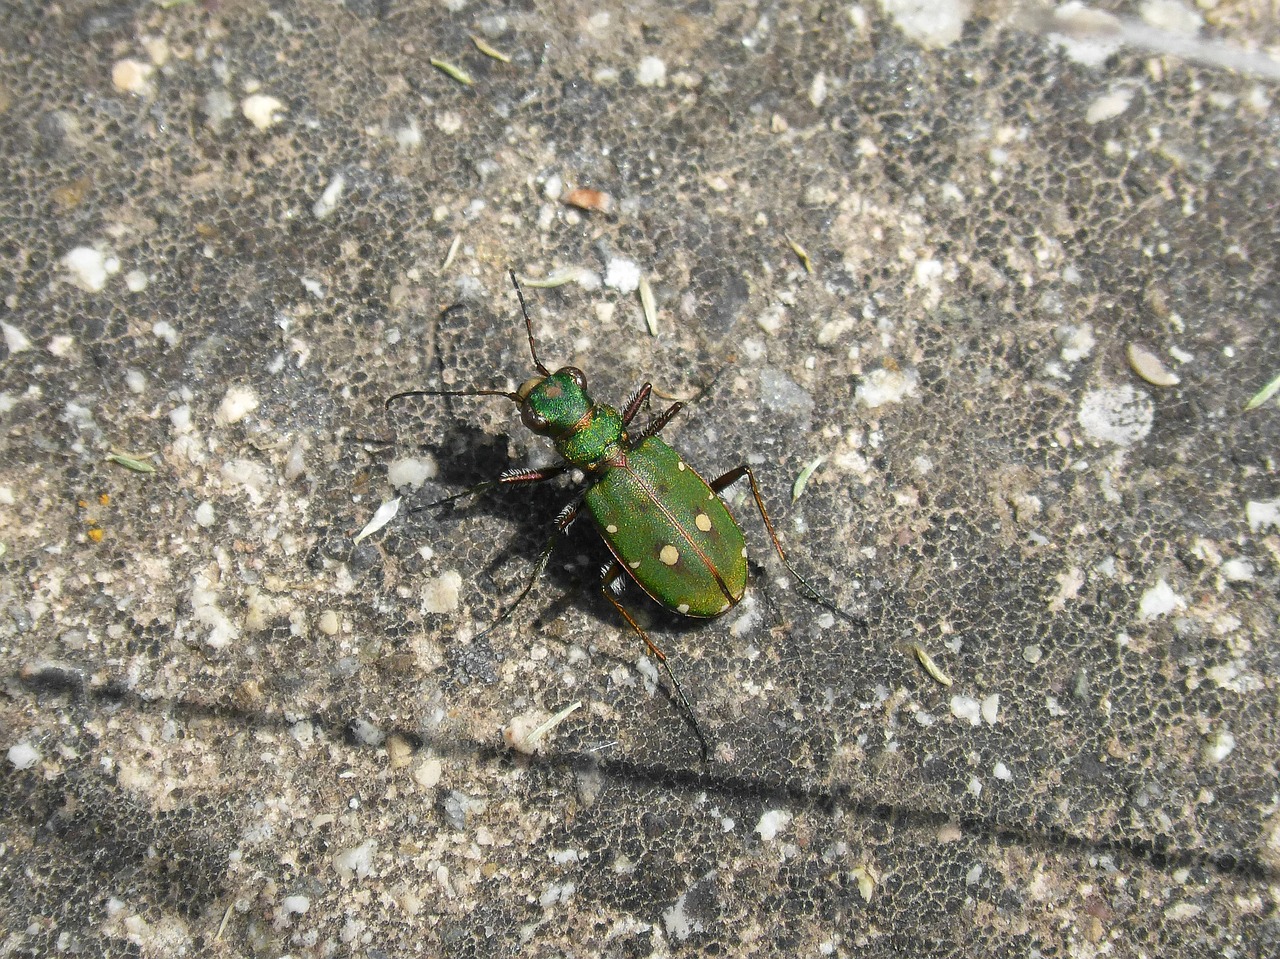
column 467, row 457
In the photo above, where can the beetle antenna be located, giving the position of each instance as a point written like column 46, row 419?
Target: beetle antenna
column 386, row 404
column 528, row 325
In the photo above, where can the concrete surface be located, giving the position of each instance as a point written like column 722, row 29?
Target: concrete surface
column 1044, row 286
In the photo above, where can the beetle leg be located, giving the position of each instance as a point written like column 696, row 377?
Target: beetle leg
column 655, row 425
column 731, row 477
column 531, row 475
column 509, row 477
column 611, row 573
column 640, row 396
column 563, row 522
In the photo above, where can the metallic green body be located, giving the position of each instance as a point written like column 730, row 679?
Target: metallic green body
column 666, row 526
column 670, row 531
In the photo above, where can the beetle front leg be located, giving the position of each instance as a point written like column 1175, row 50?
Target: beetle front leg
column 510, row 477
column 731, row 477
column 641, row 398
column 611, row 573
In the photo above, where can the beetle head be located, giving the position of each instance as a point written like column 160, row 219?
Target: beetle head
column 553, row 405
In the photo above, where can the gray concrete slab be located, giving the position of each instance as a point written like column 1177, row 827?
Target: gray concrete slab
column 1010, row 292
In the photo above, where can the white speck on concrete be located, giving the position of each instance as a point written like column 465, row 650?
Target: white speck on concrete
column 368, row 733
column 1159, row 600
column 23, row 755
column 262, row 110
column 991, row 709
column 931, row 23
column 180, row 418
column 1218, row 746
column 205, row 609
column 772, row 822
column 428, row 772
column 131, row 76
column 218, row 107
column 409, row 136
column 15, row 339
column 1262, row 514
column 1183, row 911
column 557, row 892
column 818, row 89
column 205, row 515
column 622, row 275
column 1076, row 341
column 411, row 471
column 238, row 403
column 441, row 594
column 882, row 386
column 651, row 72
column 60, row 345
column 679, row 922
column 165, row 331
column 772, row 319
column 1119, row 415
column 250, row 476
column 966, row 708
column 448, row 122
column 356, row 862
column 89, row 268
column 1238, row 570
column 1110, row 105
column 328, row 201
column 384, row 514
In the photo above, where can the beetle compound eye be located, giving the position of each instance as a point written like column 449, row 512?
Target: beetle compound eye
column 576, row 375
column 533, row 419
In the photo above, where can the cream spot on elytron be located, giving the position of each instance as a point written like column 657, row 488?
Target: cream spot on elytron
column 635, row 565
column 703, row 522
column 680, row 465
column 669, row 555
column 682, row 608
column 723, row 608
column 744, row 552
column 611, row 528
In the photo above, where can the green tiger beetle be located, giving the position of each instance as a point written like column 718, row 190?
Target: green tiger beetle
column 666, row 526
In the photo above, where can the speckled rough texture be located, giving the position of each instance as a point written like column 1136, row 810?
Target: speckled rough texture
column 229, row 730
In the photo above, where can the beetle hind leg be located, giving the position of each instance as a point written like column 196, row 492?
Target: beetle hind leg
column 612, row 573
column 728, row 479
